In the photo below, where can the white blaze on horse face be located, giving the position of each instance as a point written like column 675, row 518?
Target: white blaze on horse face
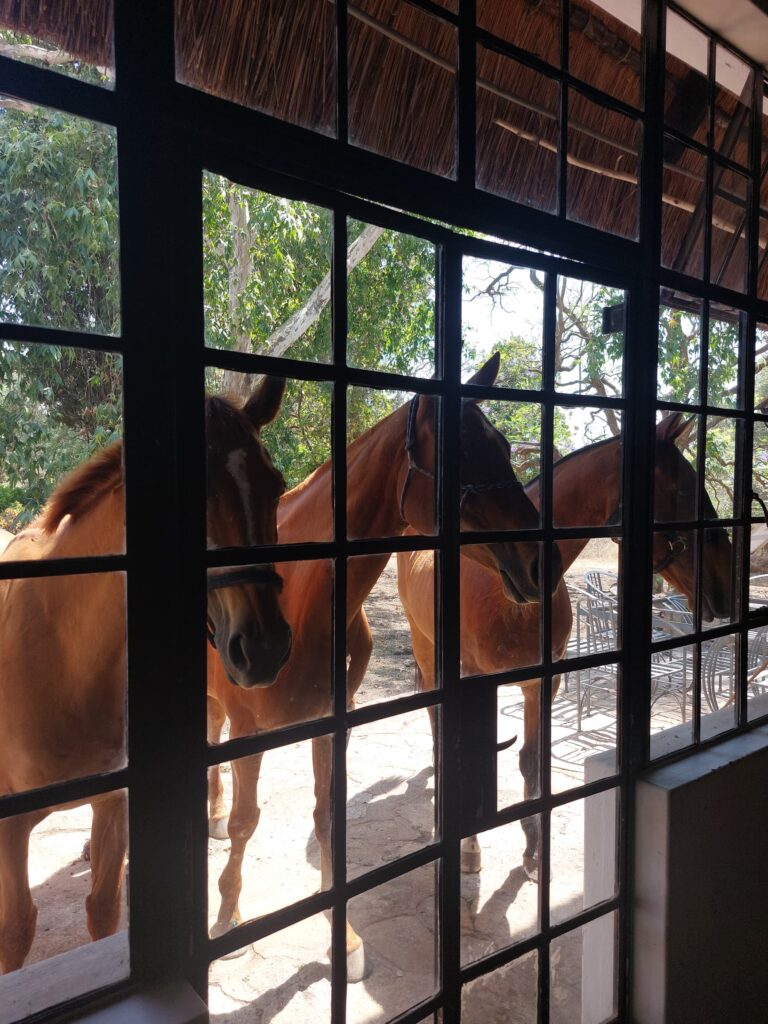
column 237, row 469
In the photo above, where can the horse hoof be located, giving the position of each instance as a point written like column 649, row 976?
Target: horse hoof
column 531, row 868
column 222, row 929
column 356, row 966
column 217, row 828
column 470, row 856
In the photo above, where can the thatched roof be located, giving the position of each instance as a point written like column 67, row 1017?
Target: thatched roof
column 279, row 57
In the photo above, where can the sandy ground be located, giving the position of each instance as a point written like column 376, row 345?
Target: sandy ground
column 286, row 978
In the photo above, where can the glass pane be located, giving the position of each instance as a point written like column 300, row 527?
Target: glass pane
column 719, row 671
column 587, row 477
column 397, row 921
column 390, row 790
column 511, row 786
column 267, row 272
column 762, row 273
column 58, row 220
column 499, row 608
column 673, row 676
column 507, row 994
column 282, row 862
column 757, row 673
column 537, row 33
column 687, row 90
column 402, row 84
column 251, row 659
column 240, row 55
column 77, row 660
column 758, row 567
column 388, row 431
column 395, row 654
column 583, row 854
column 606, row 49
column 61, row 412
column 760, row 465
column 499, row 904
column 284, row 977
column 603, row 160
column 684, row 187
column 503, row 311
column 295, row 431
column 48, row 36
column 676, row 487
column 679, row 352
column 725, row 329
column 671, row 611
column 390, row 301
column 720, row 458
column 70, row 853
column 761, row 366
column 733, row 106
column 583, row 973
column 720, row 578
column 589, row 348
column 728, row 264
column 518, row 133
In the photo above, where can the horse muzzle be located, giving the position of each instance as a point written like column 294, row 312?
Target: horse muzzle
column 254, row 660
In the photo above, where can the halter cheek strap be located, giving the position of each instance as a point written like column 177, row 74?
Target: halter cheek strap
column 466, row 490
column 255, row 574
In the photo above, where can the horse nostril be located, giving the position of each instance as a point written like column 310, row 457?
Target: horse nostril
column 236, row 651
column 535, row 571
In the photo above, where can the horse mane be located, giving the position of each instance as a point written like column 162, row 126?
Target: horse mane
column 84, row 486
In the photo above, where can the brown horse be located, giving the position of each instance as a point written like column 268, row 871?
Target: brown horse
column 497, row 635
column 64, row 637
column 391, row 485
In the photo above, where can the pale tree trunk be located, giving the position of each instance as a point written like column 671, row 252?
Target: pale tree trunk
column 239, row 386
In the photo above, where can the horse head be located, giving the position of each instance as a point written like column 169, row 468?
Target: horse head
column 245, row 623
column 492, row 498
column 674, row 552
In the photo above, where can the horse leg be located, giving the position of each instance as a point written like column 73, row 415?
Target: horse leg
column 18, row 913
column 217, row 810
column 109, row 842
column 243, row 819
column 529, row 768
column 322, row 761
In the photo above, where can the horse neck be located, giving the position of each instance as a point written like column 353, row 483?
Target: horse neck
column 99, row 531
column 585, row 489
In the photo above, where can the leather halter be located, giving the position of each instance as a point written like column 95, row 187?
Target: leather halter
column 256, row 574
column 466, row 490
column 677, row 545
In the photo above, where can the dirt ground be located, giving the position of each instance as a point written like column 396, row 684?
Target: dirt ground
column 286, row 978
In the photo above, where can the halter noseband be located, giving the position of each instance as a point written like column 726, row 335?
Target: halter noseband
column 256, row 574
column 466, row 490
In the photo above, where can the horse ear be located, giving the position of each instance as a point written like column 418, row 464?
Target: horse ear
column 671, row 427
column 487, row 373
column 264, row 404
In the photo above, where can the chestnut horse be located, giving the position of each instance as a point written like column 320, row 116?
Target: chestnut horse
column 391, row 485
column 497, row 635
column 63, row 667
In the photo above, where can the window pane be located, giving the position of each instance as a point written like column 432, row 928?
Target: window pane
column 239, row 53
column 518, row 135
column 48, row 36
column 295, row 986
column 58, row 220
column 507, row 994
column 267, row 267
column 583, row 854
column 682, row 213
column 583, row 973
column 725, row 331
column 757, row 673
column 687, row 91
column 729, row 229
column 397, row 921
column 537, row 33
column 62, row 867
column 733, row 106
column 589, row 351
column 761, row 368
column 390, row 301
column 719, row 671
column 402, row 84
column 673, row 677
column 679, row 350
column 503, row 311
column 606, row 49
column 580, row 461
column 603, row 160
